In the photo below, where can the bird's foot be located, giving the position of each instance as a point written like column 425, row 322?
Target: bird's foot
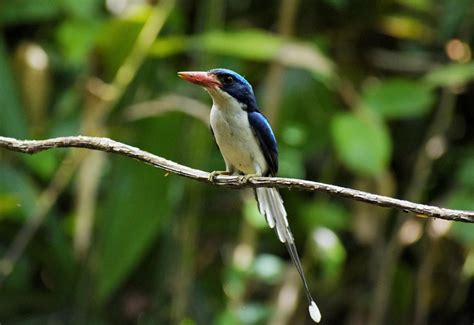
column 245, row 178
column 214, row 174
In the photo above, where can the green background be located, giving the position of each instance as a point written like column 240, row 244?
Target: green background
column 372, row 95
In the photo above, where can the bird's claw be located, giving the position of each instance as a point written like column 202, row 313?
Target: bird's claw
column 212, row 175
column 245, row 178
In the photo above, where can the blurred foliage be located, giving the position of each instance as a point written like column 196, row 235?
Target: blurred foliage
column 375, row 95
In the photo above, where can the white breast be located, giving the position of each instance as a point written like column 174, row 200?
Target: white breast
column 235, row 138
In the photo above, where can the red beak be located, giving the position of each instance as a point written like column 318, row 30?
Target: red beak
column 200, row 78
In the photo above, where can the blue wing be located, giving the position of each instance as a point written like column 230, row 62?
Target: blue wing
column 266, row 139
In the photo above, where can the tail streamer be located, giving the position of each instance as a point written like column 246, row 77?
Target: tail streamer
column 270, row 205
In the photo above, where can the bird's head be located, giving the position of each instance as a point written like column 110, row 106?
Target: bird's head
column 223, row 85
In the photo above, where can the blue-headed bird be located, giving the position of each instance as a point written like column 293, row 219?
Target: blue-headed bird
column 248, row 146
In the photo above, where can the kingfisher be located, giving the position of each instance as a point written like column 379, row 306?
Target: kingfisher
column 248, row 146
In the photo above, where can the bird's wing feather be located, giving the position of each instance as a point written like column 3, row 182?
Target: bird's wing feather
column 264, row 134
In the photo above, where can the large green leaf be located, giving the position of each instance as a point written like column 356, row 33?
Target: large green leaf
column 84, row 9
column 137, row 204
column 330, row 250
column 15, row 189
column 463, row 232
column 267, row 268
column 169, row 45
column 44, row 164
column 114, row 42
column 251, row 44
column 465, row 173
column 363, row 145
column 12, row 119
column 254, row 44
column 454, row 74
column 398, row 98
column 16, row 11
column 461, row 198
column 76, row 38
column 323, row 213
column 422, row 5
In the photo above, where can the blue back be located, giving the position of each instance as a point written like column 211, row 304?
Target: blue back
column 264, row 134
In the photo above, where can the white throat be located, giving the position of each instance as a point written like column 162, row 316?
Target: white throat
column 234, row 135
column 222, row 100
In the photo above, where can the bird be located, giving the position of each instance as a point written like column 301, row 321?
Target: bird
column 249, row 148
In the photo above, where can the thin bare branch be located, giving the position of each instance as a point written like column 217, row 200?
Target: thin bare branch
column 169, row 103
column 108, row 145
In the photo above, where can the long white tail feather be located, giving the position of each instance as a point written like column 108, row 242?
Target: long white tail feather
column 270, row 205
column 314, row 312
column 263, row 206
column 279, row 212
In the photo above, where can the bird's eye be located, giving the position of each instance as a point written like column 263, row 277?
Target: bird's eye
column 227, row 79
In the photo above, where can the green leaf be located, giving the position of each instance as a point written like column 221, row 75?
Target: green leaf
column 291, row 162
column 131, row 217
column 8, row 204
column 465, row 173
column 136, row 207
column 404, row 282
column 461, row 199
column 268, row 268
column 84, row 8
column 21, row 277
column 227, row 317
column 253, row 216
column 463, row 232
column 423, row 5
column 253, row 313
column 364, row 146
column 454, row 15
column 329, row 250
column 338, row 4
column 324, row 213
column 169, row 45
column 43, row 163
column 115, row 41
column 398, row 98
column 76, row 38
column 17, row 11
column 294, row 135
column 405, row 26
column 58, row 255
column 15, row 187
column 235, row 281
column 259, row 45
column 451, row 75
column 12, row 118
column 249, row 44
column 187, row 321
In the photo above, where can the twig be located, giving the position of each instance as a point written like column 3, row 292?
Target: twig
column 169, row 103
column 108, row 145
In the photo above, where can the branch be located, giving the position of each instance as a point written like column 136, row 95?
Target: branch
column 108, row 145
